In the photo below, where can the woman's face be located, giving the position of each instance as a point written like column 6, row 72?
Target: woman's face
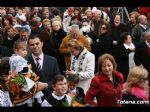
column 11, row 32
column 56, row 26
column 6, row 22
column 129, row 39
column 47, row 25
column 103, row 29
column 74, row 51
column 143, row 82
column 107, row 67
column 117, row 20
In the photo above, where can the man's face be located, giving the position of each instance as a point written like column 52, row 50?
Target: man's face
column 36, row 46
column 75, row 33
column 11, row 33
column 132, row 18
column 24, row 36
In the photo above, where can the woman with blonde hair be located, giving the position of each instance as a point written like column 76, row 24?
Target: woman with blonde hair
column 136, row 88
column 82, row 64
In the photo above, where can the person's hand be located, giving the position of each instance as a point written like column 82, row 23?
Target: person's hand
column 42, row 86
column 115, row 42
column 69, row 72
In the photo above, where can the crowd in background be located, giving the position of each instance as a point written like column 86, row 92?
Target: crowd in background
column 108, row 48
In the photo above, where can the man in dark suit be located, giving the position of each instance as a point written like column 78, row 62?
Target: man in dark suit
column 45, row 66
column 142, row 53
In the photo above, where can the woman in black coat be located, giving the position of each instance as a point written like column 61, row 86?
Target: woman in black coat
column 116, row 28
column 103, row 42
column 125, row 56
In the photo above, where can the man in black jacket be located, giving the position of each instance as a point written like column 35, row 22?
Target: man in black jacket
column 45, row 66
column 142, row 53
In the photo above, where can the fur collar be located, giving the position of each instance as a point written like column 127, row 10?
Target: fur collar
column 138, row 92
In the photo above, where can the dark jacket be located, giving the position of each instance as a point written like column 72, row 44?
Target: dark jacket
column 142, row 57
column 10, row 44
column 49, row 70
column 102, row 45
column 138, row 33
column 123, row 60
column 116, row 32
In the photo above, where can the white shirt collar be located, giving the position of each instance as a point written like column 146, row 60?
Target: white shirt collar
column 9, row 38
column 41, row 56
column 143, row 26
column 58, row 97
column 148, row 44
column 129, row 46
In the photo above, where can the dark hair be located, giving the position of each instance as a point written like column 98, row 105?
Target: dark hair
column 58, row 78
column 3, row 79
column 123, row 37
column 73, row 78
column 9, row 18
column 108, row 31
column 22, row 30
column 33, row 36
column 6, row 30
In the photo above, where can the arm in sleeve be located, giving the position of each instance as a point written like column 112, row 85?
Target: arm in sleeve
column 91, row 93
column 64, row 48
column 89, row 70
column 137, row 57
column 56, row 71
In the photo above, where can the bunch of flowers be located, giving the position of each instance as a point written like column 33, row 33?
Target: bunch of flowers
column 15, row 83
column 76, row 101
column 18, row 86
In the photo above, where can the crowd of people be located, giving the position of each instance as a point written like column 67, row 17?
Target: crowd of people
column 83, row 56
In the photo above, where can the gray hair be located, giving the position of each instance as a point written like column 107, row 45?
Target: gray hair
column 74, row 26
column 140, row 18
column 38, row 19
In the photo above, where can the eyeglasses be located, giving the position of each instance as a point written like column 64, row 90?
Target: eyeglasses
column 104, row 28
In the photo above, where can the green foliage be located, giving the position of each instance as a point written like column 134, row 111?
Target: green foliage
column 20, row 80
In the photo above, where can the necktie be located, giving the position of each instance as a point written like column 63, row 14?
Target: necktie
column 38, row 64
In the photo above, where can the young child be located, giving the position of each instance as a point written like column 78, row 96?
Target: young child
column 73, row 90
column 4, row 94
column 19, row 64
column 17, row 60
column 136, row 88
column 58, row 98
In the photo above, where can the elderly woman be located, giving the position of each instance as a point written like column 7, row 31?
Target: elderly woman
column 106, row 86
column 82, row 64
